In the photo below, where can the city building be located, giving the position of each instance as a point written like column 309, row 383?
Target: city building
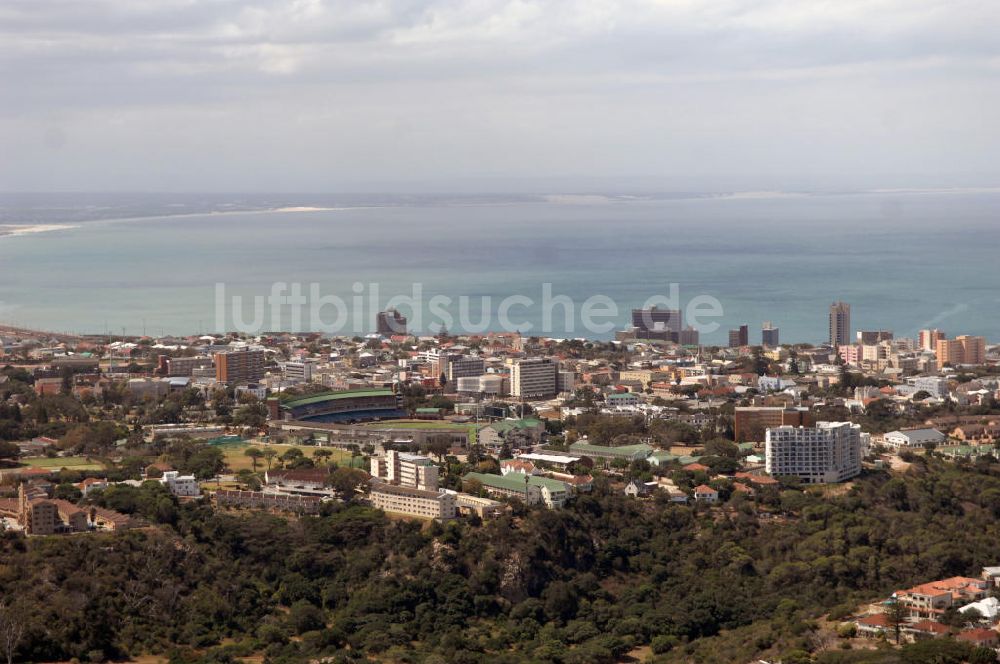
column 840, row 324
column 751, row 422
column 656, row 323
column 739, row 337
column 239, row 366
column 390, row 323
column 298, row 372
column 185, row 366
column 298, row 481
column 872, row 337
column 769, row 335
column 529, row 488
column 412, row 501
column 927, row 339
column 454, row 367
column 829, row 452
column 533, row 377
column 404, row 469
column 961, row 350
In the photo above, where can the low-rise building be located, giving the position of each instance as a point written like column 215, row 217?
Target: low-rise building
column 913, row 438
column 181, row 485
column 410, row 501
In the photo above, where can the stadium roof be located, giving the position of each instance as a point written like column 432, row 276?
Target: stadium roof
column 331, row 396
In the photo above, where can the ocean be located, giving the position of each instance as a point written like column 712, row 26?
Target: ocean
column 903, row 260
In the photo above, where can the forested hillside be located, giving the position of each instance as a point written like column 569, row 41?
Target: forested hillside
column 607, row 578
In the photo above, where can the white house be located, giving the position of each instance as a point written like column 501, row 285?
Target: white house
column 181, row 485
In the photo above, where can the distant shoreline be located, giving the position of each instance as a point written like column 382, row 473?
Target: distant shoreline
column 14, row 230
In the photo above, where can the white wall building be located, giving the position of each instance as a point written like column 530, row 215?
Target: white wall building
column 828, row 452
column 180, row 485
column 533, row 377
column 404, row 469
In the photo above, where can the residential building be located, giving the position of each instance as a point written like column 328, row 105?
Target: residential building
column 769, row 335
column 285, row 502
column 180, row 485
column 739, row 337
column 935, row 386
column 185, row 366
column 961, row 350
column 829, row 452
column 840, row 324
column 706, row 494
column 927, row 339
column 750, row 422
column 533, row 377
column 929, row 600
column 390, row 323
column 239, row 366
column 427, row 504
column 518, row 434
column 455, row 367
column 404, row 469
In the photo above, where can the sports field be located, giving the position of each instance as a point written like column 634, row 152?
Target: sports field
column 236, row 458
column 57, row 463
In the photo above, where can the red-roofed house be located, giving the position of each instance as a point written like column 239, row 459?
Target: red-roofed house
column 706, row 494
column 873, row 625
column 929, row 600
column 696, row 467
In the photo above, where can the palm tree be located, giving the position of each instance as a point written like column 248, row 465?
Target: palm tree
column 255, row 454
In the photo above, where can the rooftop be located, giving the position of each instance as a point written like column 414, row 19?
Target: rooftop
column 332, row 396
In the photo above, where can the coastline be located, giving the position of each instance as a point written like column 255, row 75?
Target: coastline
column 14, row 230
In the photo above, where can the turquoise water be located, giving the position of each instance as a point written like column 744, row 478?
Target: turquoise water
column 903, row 261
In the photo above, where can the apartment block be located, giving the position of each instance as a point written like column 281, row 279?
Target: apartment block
column 239, row 366
column 829, row 452
column 412, row 502
column 404, row 469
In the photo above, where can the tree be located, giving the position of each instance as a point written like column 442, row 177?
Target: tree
column 255, row 454
column 269, row 454
column 322, row 455
column 895, row 616
column 11, row 630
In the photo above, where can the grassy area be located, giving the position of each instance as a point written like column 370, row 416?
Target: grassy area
column 56, row 463
column 237, row 459
column 472, row 428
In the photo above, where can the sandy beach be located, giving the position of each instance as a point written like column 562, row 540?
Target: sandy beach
column 29, row 229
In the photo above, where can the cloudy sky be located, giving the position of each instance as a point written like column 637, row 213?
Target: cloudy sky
column 319, row 95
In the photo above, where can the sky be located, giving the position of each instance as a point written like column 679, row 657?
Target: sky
column 314, row 95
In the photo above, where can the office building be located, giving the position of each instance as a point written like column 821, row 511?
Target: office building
column 390, row 322
column 688, row 337
column 185, row 366
column 298, row 372
column 961, row 350
column 656, row 323
column 829, row 452
column 840, row 324
column 769, row 335
column 533, row 377
column 454, row 367
column 239, row 366
column 739, row 337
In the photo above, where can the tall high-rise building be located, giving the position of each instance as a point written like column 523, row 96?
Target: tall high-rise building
column 656, row 323
column 390, row 322
column 828, row 452
column 840, row 324
column 739, row 337
column 533, row 377
column 928, row 339
column 961, row 350
column 239, row 366
column 769, row 335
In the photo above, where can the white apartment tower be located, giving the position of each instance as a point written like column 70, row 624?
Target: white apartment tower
column 829, row 452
